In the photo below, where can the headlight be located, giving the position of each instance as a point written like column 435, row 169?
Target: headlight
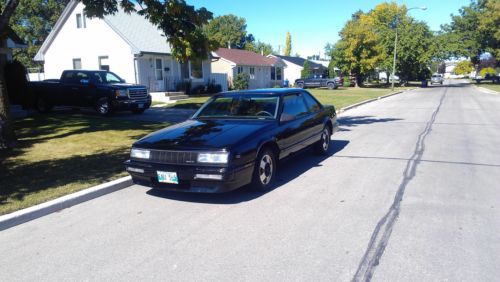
column 215, row 158
column 139, row 153
column 121, row 93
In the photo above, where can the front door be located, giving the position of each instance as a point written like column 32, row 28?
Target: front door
column 159, row 82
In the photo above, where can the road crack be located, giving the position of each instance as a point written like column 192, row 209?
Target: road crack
column 382, row 233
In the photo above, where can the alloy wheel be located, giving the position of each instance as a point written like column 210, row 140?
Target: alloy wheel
column 266, row 169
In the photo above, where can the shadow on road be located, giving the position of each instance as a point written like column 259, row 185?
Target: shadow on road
column 353, row 121
column 290, row 168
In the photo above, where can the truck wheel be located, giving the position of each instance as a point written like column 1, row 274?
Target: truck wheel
column 331, row 85
column 300, row 85
column 138, row 111
column 43, row 106
column 264, row 170
column 103, row 107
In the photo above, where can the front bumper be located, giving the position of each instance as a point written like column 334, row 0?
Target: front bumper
column 232, row 178
column 129, row 104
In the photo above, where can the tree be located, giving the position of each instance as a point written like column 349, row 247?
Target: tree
column 464, row 67
column 227, row 30
column 260, row 48
column 441, row 68
column 181, row 23
column 33, row 21
column 288, row 44
column 240, row 82
column 306, row 70
column 487, row 71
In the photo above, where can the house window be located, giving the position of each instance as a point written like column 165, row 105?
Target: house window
column 273, row 73
column 77, row 64
column 279, row 73
column 103, row 63
column 159, row 69
column 196, row 69
column 84, row 21
column 239, row 70
column 252, row 73
column 79, row 23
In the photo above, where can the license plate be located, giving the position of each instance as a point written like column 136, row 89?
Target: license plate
column 140, row 106
column 167, row 177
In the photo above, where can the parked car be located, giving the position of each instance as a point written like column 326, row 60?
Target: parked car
column 234, row 139
column 437, row 79
column 103, row 90
column 317, row 81
column 488, row 76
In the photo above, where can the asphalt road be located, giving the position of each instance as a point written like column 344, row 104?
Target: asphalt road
column 411, row 192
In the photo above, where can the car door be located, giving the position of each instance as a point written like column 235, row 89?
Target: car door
column 315, row 121
column 69, row 88
column 294, row 123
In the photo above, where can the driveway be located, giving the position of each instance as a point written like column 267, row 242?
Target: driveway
column 409, row 192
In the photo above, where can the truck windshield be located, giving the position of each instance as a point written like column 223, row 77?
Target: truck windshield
column 107, row 77
column 240, row 106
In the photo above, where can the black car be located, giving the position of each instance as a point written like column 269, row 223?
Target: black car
column 103, row 90
column 318, row 81
column 234, row 139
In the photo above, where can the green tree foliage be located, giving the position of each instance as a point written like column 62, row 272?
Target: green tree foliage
column 260, row 47
column 181, row 23
column 240, row 82
column 33, row 21
column 367, row 43
column 475, row 29
column 306, row 71
column 485, row 71
column 288, row 44
column 227, row 30
column 464, row 67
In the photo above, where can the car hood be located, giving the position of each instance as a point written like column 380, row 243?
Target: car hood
column 203, row 134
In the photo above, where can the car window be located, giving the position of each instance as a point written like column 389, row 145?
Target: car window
column 312, row 105
column 240, row 106
column 294, row 105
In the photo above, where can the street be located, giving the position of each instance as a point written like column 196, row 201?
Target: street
column 410, row 192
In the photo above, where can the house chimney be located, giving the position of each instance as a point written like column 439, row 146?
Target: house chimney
column 262, row 51
column 229, row 45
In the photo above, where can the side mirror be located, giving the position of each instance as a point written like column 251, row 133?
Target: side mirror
column 286, row 117
column 122, row 80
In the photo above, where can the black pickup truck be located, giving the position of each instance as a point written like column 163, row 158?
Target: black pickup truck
column 317, row 81
column 102, row 90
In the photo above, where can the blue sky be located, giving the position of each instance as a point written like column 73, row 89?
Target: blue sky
column 314, row 23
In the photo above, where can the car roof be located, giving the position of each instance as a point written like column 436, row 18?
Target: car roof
column 264, row 91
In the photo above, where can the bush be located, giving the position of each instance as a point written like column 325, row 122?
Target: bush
column 17, row 84
column 241, row 81
column 184, row 86
column 486, row 71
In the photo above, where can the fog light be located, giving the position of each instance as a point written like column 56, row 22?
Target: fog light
column 133, row 169
column 208, row 176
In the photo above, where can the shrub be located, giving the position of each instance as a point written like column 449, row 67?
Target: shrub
column 306, row 71
column 485, row 71
column 241, row 81
column 184, row 86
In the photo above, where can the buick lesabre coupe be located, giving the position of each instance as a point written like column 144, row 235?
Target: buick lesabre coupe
column 234, row 139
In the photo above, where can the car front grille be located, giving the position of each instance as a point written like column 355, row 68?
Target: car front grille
column 138, row 93
column 173, row 157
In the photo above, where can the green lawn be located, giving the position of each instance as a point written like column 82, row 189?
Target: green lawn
column 341, row 97
column 489, row 85
column 60, row 154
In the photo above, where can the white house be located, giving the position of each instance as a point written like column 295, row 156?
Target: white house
column 126, row 44
column 295, row 65
column 11, row 41
column 263, row 71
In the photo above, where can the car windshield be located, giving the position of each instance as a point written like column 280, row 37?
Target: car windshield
column 436, row 76
column 240, row 106
column 107, row 77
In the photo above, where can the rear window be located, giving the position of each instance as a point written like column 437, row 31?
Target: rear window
column 244, row 106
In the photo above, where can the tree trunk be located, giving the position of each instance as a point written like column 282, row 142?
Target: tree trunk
column 7, row 135
column 359, row 80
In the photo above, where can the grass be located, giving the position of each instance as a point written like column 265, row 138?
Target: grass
column 341, row 97
column 489, row 85
column 58, row 155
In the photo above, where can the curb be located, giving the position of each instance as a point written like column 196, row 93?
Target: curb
column 485, row 90
column 370, row 100
column 25, row 215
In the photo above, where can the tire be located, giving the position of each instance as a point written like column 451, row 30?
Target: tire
column 103, row 107
column 300, row 85
column 43, row 106
column 138, row 111
column 322, row 146
column 331, row 85
column 264, row 170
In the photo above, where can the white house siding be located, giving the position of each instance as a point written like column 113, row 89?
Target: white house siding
column 88, row 44
column 292, row 72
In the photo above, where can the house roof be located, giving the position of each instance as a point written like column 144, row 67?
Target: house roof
column 300, row 61
column 244, row 57
column 137, row 31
